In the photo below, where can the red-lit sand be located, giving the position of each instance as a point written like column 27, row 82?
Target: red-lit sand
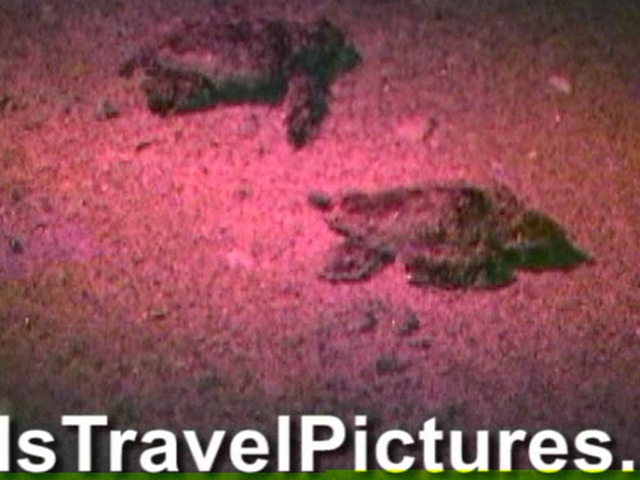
column 173, row 284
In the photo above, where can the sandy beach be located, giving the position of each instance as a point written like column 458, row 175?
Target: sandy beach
column 166, row 270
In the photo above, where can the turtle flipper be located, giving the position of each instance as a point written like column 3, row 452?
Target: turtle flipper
column 306, row 106
column 486, row 271
column 354, row 260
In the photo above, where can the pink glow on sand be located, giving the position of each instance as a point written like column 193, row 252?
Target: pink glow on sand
column 174, row 281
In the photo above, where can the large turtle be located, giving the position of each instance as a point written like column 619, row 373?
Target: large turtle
column 204, row 63
column 450, row 235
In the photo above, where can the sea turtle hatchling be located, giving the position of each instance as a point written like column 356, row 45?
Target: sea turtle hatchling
column 204, row 63
column 450, row 235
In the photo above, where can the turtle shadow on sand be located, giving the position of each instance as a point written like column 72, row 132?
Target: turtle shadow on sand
column 205, row 63
column 449, row 235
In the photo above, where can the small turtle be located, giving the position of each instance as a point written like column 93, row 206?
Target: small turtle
column 450, row 235
column 205, row 63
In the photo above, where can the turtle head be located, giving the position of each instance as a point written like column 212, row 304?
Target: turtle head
column 538, row 242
